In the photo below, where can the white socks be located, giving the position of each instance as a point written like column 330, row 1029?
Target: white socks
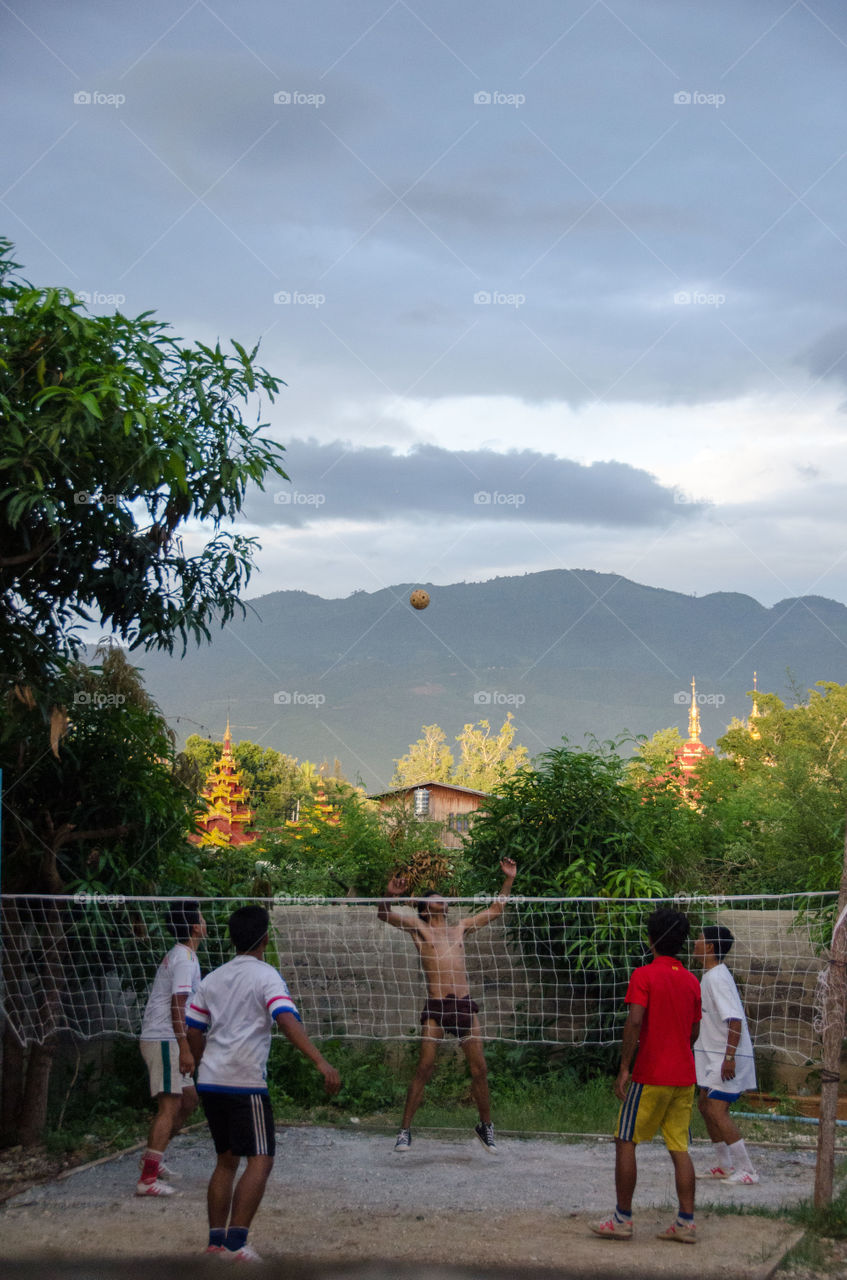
column 739, row 1157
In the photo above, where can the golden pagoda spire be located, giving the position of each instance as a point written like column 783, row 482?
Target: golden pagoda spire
column 755, row 712
column 227, row 740
column 694, row 716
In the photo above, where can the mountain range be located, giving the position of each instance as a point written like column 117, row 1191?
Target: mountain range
column 568, row 652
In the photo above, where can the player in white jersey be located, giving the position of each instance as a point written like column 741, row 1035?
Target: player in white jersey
column 164, row 1045
column 230, row 1019
column 723, row 1055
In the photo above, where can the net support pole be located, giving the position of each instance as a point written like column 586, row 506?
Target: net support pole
column 835, row 1006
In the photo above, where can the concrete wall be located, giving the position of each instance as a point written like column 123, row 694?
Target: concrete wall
column 355, row 976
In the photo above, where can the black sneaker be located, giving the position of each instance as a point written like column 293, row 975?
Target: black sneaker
column 485, row 1133
column 404, row 1140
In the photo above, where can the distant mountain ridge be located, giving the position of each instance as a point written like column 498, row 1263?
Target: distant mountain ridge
column 569, row 652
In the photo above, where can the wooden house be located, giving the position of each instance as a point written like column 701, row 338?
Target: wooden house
column 439, row 802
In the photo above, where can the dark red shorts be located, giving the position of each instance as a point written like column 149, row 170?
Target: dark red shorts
column 453, row 1014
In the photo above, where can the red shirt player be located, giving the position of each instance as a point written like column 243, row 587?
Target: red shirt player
column 662, row 1024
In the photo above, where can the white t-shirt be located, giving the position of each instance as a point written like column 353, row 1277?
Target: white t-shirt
column 178, row 974
column 236, row 1006
column 721, row 1002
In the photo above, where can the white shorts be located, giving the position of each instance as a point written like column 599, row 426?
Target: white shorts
column 162, row 1059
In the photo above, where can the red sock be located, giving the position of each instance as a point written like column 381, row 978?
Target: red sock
column 150, row 1166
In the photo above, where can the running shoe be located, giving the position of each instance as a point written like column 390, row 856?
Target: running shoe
column 716, row 1172
column 155, row 1188
column 611, row 1229
column 404, row 1140
column 485, row 1133
column 676, row 1231
column 215, row 1248
column 742, row 1177
column 245, row 1254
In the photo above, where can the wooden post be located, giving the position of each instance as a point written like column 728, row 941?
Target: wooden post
column 835, row 1008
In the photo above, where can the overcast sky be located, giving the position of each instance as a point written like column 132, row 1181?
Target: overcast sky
column 552, row 284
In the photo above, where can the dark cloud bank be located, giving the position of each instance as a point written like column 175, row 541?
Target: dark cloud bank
column 335, row 481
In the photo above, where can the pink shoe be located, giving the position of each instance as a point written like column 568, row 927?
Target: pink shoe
column 215, row 1248
column 743, row 1177
column 245, row 1254
column 612, row 1230
column 683, row 1235
column 155, row 1188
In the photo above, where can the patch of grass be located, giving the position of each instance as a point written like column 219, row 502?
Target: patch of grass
column 809, row 1252
column 831, row 1221
column 533, row 1089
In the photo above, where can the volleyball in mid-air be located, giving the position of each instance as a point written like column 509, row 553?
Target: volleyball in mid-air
column 419, row 599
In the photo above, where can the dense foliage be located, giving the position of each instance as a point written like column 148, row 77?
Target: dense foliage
column 114, row 436
column 485, row 759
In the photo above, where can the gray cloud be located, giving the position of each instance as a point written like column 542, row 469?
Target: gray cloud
column 337, row 482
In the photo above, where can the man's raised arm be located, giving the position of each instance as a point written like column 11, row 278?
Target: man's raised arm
column 398, row 887
column 482, row 918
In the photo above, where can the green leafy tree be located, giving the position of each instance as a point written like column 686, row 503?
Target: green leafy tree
column 573, row 824
column 485, row 759
column 115, row 434
column 104, row 811
column 778, row 800
column 576, row 828
column 655, row 756
column 428, row 759
column 336, row 846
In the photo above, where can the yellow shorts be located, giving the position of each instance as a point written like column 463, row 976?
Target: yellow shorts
column 650, row 1107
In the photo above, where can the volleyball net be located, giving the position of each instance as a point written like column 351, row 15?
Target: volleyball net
column 547, row 970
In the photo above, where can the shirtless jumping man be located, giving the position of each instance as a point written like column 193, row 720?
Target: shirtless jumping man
column 449, row 1009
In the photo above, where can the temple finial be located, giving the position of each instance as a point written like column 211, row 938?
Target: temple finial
column 694, row 716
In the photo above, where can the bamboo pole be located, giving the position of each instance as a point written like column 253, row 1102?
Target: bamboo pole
column 835, row 1009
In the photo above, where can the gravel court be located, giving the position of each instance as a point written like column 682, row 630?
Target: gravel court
column 338, row 1193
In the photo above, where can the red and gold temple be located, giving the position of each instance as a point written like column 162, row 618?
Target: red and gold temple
column 227, row 816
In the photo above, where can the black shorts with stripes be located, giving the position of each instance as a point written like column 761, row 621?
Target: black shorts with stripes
column 242, row 1123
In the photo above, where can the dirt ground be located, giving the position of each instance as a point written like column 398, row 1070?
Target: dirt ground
column 343, row 1195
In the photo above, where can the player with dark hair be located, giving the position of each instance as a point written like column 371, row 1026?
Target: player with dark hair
column 658, row 1092
column 230, row 1019
column 164, row 1044
column 449, row 1009
column 724, row 1057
